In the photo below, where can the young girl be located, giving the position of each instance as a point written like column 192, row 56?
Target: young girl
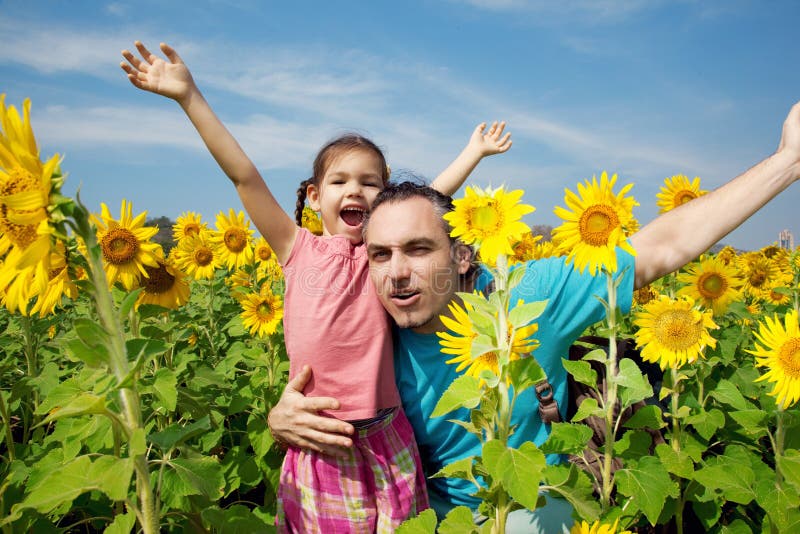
column 333, row 319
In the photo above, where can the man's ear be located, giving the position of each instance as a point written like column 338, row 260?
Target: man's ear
column 312, row 195
column 464, row 257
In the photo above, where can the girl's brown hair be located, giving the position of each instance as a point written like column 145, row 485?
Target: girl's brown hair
column 326, row 155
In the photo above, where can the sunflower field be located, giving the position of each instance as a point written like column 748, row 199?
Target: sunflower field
column 135, row 382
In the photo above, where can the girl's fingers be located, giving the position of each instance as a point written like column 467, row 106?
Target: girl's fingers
column 133, row 60
column 146, row 54
column 171, row 54
column 499, row 131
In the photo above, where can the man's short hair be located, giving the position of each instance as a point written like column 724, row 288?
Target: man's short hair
column 441, row 203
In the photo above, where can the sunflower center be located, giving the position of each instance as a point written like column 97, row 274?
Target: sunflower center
column 265, row 310
column 597, row 223
column 264, row 253
column 712, row 285
column 158, row 279
column 191, row 229
column 235, row 239
column 119, row 246
column 488, row 360
column 684, row 196
column 203, row 256
column 789, row 356
column 19, row 180
column 486, row 220
column 758, row 277
column 677, row 329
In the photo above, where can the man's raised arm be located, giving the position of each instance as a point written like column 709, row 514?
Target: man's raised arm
column 679, row 236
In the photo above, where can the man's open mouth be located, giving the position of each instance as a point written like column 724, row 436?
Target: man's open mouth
column 353, row 216
column 405, row 294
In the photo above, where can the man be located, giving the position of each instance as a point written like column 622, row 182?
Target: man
column 417, row 269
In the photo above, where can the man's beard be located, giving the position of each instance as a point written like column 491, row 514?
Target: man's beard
column 408, row 322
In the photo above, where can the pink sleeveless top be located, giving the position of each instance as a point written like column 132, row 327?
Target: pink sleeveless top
column 334, row 322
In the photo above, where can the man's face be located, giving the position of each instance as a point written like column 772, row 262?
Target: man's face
column 411, row 264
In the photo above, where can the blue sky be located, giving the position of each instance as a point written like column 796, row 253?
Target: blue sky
column 645, row 89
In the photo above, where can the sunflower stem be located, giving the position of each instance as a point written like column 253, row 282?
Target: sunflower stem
column 675, row 441
column 120, row 366
column 779, row 442
column 611, row 393
column 7, row 424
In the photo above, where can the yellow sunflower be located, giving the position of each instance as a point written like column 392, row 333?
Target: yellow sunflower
column 678, row 190
column 673, row 332
column 262, row 250
column 760, row 274
column 270, row 270
column 525, row 248
column 232, row 239
column 596, row 225
column 459, row 342
column 728, row 256
column 778, row 349
column 196, row 256
column 645, row 294
column 711, row 283
column 59, row 283
column 189, row 224
column 489, row 219
column 166, row 286
column 26, row 186
column 311, row 221
column 262, row 313
column 582, row 527
column 545, row 249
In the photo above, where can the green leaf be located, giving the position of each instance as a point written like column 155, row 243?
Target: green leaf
column 175, row 434
column 524, row 373
column 727, row 393
column 91, row 356
column 122, row 524
column 706, row 423
column 491, row 453
column 649, row 416
column 193, row 476
column 463, row 392
column 108, row 474
column 237, row 519
column 459, row 520
column 165, row 385
column 737, row 526
column 581, row 371
column 424, row 523
column 789, row 467
column 520, row 470
column 633, row 384
column 633, row 444
column 648, row 485
column 751, row 421
column 459, row 469
column 522, row 315
column 143, row 349
column 84, row 404
column 260, row 437
column 488, row 376
column 730, row 476
column 127, row 303
column 479, row 302
column 677, row 462
column 587, row 408
column 567, row 438
column 574, row 485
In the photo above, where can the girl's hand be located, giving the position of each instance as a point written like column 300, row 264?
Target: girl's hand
column 151, row 73
column 491, row 142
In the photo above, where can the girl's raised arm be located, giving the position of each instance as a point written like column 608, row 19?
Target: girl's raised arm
column 173, row 80
column 479, row 146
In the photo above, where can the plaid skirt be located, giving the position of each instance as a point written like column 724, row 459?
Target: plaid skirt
column 374, row 489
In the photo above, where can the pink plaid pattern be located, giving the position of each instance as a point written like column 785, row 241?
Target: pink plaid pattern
column 377, row 487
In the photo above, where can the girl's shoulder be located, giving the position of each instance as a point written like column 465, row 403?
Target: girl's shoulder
column 315, row 248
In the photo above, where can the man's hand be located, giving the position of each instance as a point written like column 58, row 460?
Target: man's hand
column 491, row 142
column 295, row 420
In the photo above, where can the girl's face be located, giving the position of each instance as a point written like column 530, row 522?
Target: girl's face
column 346, row 192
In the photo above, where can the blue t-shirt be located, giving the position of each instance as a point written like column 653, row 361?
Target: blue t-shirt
column 422, row 374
